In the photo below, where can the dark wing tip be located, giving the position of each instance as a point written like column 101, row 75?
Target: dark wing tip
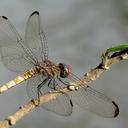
column 71, row 103
column 35, row 12
column 4, row 17
column 116, row 109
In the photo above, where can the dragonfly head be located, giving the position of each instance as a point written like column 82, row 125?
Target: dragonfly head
column 64, row 70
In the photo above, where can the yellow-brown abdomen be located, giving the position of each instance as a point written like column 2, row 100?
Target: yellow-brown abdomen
column 19, row 79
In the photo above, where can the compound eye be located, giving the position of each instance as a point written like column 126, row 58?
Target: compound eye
column 61, row 66
column 64, row 70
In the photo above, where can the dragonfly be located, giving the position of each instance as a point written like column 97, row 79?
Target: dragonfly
column 29, row 58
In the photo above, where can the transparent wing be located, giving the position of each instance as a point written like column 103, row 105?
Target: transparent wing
column 62, row 105
column 35, row 37
column 15, row 56
column 96, row 102
column 32, row 86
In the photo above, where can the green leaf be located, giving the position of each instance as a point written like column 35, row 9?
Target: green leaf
column 117, row 48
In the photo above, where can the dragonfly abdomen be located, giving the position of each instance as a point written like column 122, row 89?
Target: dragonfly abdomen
column 17, row 80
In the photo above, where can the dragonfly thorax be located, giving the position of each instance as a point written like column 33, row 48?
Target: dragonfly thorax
column 48, row 68
column 64, row 70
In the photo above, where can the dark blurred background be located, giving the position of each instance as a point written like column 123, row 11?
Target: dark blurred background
column 77, row 33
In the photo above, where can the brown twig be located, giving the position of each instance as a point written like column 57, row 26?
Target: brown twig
column 86, row 79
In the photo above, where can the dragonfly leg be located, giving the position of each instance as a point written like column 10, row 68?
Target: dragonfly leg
column 53, row 84
column 50, row 83
column 39, row 91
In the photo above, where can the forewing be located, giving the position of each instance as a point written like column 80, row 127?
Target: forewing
column 88, row 98
column 13, row 53
column 62, row 105
column 94, row 101
column 35, row 37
